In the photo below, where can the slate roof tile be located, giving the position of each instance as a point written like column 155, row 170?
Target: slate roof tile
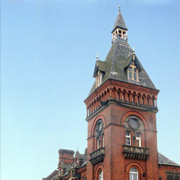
column 119, row 22
column 163, row 160
column 117, row 59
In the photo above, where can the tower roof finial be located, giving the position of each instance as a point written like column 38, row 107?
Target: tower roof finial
column 97, row 57
column 120, row 22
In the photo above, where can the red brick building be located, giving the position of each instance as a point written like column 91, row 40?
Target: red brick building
column 121, row 117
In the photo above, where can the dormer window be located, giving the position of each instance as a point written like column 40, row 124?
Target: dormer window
column 99, row 72
column 132, row 73
column 133, row 68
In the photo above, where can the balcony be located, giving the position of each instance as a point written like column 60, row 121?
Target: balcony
column 134, row 152
column 97, row 156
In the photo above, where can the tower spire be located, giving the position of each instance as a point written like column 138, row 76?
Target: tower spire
column 120, row 29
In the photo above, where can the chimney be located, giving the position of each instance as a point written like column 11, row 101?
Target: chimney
column 66, row 156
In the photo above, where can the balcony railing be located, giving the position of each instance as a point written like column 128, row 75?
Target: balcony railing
column 134, row 152
column 97, row 156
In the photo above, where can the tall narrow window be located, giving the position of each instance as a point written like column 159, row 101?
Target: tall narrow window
column 133, row 174
column 99, row 134
column 135, row 75
column 138, row 138
column 101, row 175
column 129, row 73
column 128, row 137
column 132, row 73
column 102, row 140
column 98, row 143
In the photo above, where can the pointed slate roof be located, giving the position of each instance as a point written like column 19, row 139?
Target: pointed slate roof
column 163, row 160
column 120, row 22
column 119, row 56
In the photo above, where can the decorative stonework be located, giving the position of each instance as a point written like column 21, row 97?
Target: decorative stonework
column 129, row 125
column 97, row 156
column 133, row 152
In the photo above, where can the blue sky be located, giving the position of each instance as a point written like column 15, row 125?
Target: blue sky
column 48, row 52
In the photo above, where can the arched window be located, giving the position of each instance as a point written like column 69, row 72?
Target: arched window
column 133, row 174
column 101, row 175
column 99, row 134
column 134, row 131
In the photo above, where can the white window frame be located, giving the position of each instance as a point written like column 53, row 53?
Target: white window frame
column 134, row 71
column 128, row 137
column 133, row 173
column 138, row 139
column 130, row 70
column 101, row 175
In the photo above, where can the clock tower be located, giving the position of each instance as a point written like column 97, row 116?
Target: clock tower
column 121, row 115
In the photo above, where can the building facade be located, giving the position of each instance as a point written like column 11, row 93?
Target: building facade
column 121, row 116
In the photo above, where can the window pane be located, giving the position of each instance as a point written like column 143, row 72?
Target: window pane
column 127, row 133
column 133, row 174
column 135, row 177
column 138, row 134
column 128, row 141
column 131, row 177
column 135, row 75
column 133, row 170
column 101, row 175
column 130, row 74
column 133, row 123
